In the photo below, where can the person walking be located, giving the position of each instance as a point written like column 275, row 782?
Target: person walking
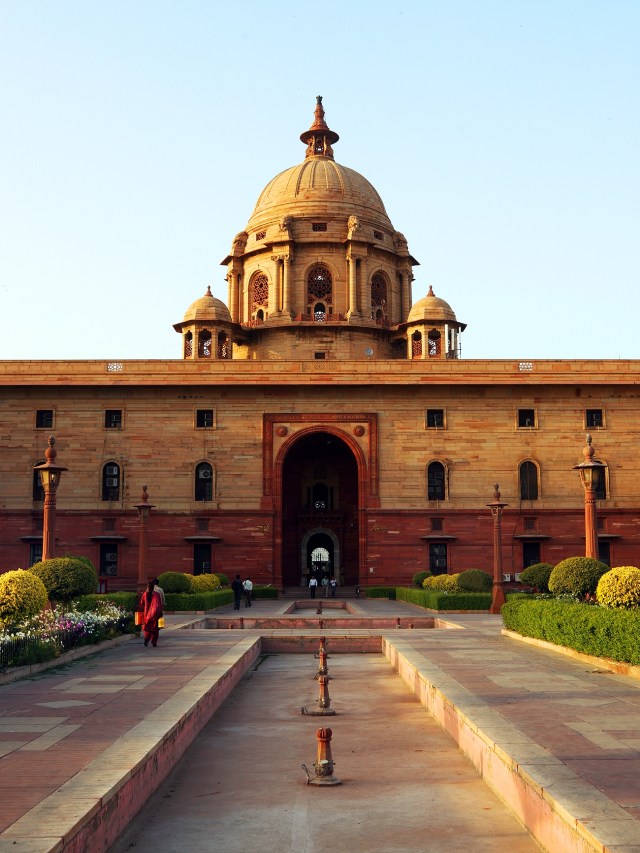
column 238, row 588
column 325, row 586
column 333, row 583
column 313, row 583
column 151, row 613
column 248, row 591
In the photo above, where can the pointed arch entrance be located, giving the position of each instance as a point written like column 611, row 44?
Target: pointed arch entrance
column 320, row 554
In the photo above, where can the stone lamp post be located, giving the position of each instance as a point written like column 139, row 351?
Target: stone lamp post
column 496, row 506
column 591, row 473
column 144, row 511
column 50, row 474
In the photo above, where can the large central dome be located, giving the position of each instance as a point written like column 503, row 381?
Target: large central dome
column 307, row 189
column 318, row 185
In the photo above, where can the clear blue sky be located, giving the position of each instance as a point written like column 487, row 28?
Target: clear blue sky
column 502, row 136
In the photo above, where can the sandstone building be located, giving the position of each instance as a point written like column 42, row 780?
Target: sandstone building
column 321, row 416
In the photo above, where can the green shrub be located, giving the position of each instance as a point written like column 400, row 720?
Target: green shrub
column 474, row 580
column 66, row 577
column 181, row 602
column 592, row 630
column 441, row 600
column 224, row 580
column 174, row 582
column 619, row 588
column 419, row 577
column 577, row 576
column 22, row 594
column 204, row 583
column 537, row 576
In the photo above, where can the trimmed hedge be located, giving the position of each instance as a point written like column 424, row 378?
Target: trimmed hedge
column 439, row 600
column 619, row 588
column 180, row 601
column 377, row 591
column 474, row 580
column 89, row 603
column 262, row 592
column 174, row 582
column 537, row 576
column 592, row 630
column 419, row 577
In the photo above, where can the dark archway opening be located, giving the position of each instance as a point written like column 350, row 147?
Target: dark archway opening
column 320, row 509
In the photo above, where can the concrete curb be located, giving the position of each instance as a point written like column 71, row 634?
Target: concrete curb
column 91, row 810
column 561, row 811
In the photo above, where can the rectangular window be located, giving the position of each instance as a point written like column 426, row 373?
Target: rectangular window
column 202, row 558
column 604, row 552
column 530, row 524
column 378, row 235
column 436, row 523
column 437, row 558
column 526, row 418
column 204, row 418
column 108, row 525
column 113, row 419
column 108, row 560
column 320, row 356
column 435, row 418
column 318, row 226
column 594, row 419
column 35, row 553
column 44, row 419
column 530, row 554
column 202, row 524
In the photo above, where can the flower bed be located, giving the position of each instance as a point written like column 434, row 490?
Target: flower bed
column 51, row 632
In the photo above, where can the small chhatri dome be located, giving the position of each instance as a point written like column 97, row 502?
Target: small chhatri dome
column 207, row 308
column 430, row 307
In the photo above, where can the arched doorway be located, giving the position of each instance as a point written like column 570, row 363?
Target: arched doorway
column 320, row 510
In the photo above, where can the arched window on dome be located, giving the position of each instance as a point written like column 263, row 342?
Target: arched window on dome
column 416, row 345
column 204, row 482
column 529, row 481
column 379, row 297
column 188, row 345
column 259, row 297
column 436, row 481
column 435, row 343
column 204, row 344
column 319, row 292
column 224, row 346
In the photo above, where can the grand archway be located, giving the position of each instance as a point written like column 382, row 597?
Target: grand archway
column 320, row 505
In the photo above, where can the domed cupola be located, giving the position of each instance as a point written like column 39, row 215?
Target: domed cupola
column 432, row 329
column 207, row 330
column 319, row 270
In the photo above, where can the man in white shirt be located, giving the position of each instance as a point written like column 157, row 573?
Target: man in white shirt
column 248, row 589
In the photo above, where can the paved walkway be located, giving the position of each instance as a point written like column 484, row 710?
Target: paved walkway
column 549, row 732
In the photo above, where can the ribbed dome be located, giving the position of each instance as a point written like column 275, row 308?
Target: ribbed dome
column 430, row 307
column 306, row 189
column 207, row 308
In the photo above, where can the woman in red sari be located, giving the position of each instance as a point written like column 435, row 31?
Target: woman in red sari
column 151, row 612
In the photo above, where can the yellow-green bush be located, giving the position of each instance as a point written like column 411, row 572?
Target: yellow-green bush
column 22, row 595
column 448, row 583
column 577, row 576
column 620, row 588
column 204, row 583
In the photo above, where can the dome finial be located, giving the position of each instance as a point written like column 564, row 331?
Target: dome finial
column 430, row 293
column 319, row 138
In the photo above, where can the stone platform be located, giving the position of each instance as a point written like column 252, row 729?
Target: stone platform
column 84, row 745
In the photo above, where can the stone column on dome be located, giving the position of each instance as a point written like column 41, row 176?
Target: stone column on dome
column 275, row 306
column 233, row 295
column 353, row 292
column 445, row 354
column 405, row 275
column 286, row 285
column 364, row 288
